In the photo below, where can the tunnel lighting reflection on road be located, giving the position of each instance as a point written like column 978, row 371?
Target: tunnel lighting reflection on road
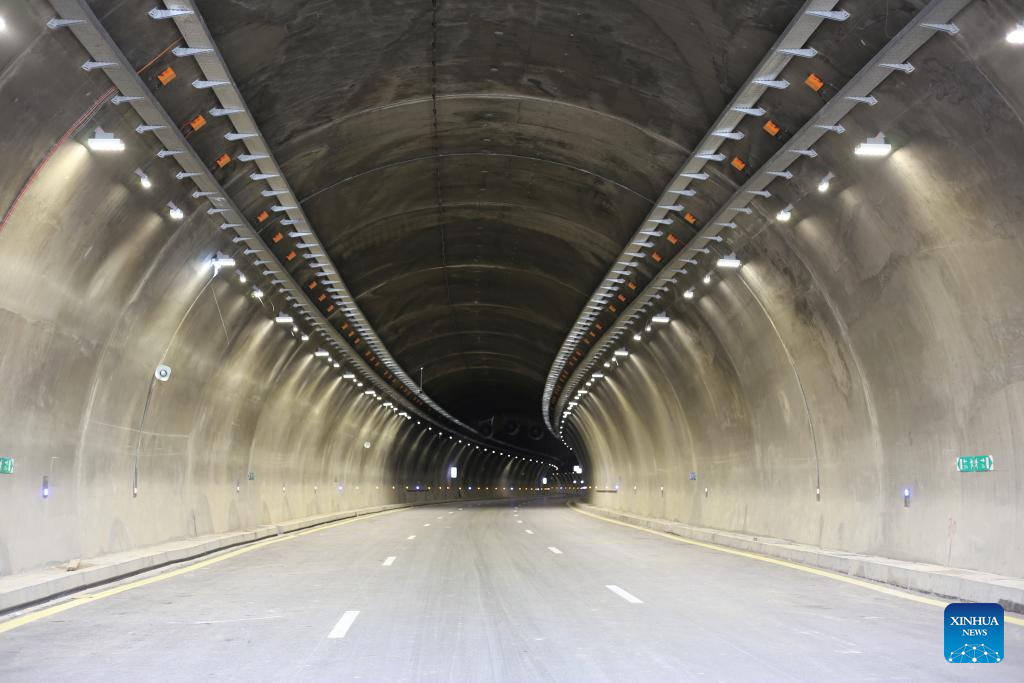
column 102, row 141
column 1014, row 37
column 873, row 147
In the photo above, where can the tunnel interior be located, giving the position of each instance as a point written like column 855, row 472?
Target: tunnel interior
column 751, row 267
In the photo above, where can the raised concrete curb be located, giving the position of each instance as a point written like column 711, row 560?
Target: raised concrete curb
column 28, row 588
column 947, row 582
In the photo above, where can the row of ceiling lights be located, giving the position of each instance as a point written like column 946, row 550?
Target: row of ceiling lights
column 104, row 142
column 875, row 146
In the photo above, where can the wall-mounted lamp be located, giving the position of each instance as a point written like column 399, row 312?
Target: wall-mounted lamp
column 102, row 141
column 873, row 147
column 143, row 179
column 825, row 183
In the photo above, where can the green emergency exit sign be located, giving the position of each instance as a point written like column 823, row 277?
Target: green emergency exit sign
column 6, row 465
column 974, row 463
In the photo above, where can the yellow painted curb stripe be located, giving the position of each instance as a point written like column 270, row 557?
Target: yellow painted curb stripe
column 80, row 600
column 783, row 563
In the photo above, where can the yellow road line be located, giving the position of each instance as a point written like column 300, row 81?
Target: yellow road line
column 783, row 563
column 80, row 600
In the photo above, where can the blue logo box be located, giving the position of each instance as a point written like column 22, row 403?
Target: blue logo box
column 974, row 633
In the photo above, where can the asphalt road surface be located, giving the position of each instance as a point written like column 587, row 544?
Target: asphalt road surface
column 489, row 592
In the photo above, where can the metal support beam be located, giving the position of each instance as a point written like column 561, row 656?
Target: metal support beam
column 857, row 91
column 196, row 34
column 789, row 44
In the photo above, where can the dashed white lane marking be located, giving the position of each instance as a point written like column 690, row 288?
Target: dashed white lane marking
column 411, row 537
column 452, row 512
column 344, row 624
column 440, row 516
column 529, row 532
column 427, row 524
column 628, row 597
column 519, row 521
column 555, row 550
column 390, row 561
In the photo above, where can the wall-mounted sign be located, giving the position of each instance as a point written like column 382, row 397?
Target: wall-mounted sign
column 974, row 463
column 252, row 476
column 693, row 476
column 6, row 465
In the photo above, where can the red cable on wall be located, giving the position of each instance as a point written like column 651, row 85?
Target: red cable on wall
column 68, row 133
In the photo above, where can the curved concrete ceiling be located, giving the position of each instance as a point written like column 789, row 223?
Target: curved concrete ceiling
column 473, row 170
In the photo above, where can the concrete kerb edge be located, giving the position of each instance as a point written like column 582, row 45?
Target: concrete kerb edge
column 899, row 574
column 86, row 578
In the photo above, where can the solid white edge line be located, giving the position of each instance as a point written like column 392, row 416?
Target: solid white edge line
column 344, row 624
column 389, row 561
column 555, row 550
column 628, row 597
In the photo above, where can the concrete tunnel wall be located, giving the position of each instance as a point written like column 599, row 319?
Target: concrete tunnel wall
column 98, row 287
column 862, row 347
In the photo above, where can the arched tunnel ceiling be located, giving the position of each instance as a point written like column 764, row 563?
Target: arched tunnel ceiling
column 473, row 219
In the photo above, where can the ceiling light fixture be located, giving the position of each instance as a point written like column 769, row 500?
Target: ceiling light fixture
column 785, row 214
column 102, row 141
column 221, row 261
column 826, row 182
column 174, row 212
column 1016, row 35
column 873, row 147
column 729, row 261
column 284, row 319
column 143, row 179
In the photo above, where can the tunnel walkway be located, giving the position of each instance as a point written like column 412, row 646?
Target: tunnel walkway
column 481, row 592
